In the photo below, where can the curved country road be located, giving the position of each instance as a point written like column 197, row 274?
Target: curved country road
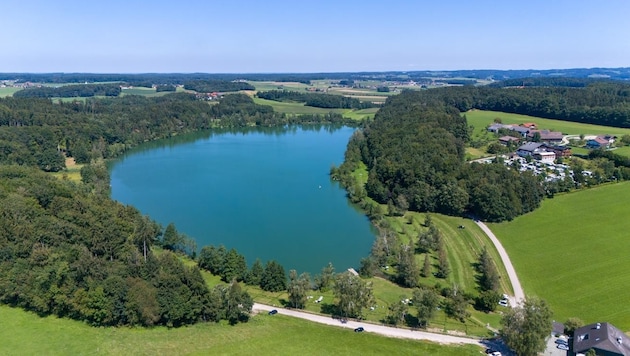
column 373, row 328
column 519, row 295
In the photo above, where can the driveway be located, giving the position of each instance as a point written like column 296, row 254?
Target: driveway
column 519, row 295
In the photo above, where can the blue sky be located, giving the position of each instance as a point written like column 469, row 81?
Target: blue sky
column 248, row 36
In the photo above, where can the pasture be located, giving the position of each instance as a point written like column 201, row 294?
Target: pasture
column 572, row 252
column 8, row 91
column 480, row 119
column 24, row 333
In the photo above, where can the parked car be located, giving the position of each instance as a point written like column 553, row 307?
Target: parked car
column 503, row 303
column 563, row 347
column 359, row 329
column 273, row 312
column 490, row 351
column 562, row 341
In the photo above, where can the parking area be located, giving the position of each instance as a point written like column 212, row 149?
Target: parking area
column 552, row 348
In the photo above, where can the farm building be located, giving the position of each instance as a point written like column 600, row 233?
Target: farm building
column 546, row 135
column 604, row 338
column 505, row 140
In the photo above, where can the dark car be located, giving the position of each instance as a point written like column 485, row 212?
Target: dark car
column 359, row 329
column 273, row 312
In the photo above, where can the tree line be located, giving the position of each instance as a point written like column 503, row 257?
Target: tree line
column 600, row 102
column 328, row 101
column 70, row 91
column 217, row 85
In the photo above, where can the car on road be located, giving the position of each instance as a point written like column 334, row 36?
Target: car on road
column 273, row 312
column 360, row 329
column 563, row 347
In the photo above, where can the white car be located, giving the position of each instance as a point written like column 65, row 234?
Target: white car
column 503, row 303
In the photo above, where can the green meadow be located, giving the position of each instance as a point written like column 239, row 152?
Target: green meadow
column 480, row 119
column 24, row 333
column 573, row 252
column 8, row 91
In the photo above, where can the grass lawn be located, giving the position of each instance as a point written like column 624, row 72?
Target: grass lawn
column 573, row 252
column 480, row 119
column 24, row 333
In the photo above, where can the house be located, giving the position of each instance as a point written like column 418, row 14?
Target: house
column 529, row 149
column 604, row 338
column 544, row 156
column 598, row 142
column 529, row 125
column 523, row 131
column 546, row 135
column 496, row 127
column 560, row 151
column 506, row 140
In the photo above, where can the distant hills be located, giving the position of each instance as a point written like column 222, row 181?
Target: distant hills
column 420, row 76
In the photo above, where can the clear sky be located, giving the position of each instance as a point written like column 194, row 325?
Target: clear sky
column 247, row 36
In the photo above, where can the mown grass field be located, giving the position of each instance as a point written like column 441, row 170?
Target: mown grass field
column 480, row 119
column 8, row 91
column 300, row 108
column 24, row 333
column 573, row 252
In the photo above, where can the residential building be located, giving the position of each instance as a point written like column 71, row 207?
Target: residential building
column 529, row 149
column 598, row 142
column 604, row 338
column 560, row 151
column 544, row 156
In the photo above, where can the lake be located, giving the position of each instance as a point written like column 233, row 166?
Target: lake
column 263, row 191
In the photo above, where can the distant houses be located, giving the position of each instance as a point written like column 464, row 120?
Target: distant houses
column 528, row 131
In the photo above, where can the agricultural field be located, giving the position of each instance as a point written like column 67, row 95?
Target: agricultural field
column 572, row 252
column 300, row 108
column 8, row 91
column 24, row 333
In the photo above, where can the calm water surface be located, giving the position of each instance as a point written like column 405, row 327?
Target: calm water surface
column 265, row 192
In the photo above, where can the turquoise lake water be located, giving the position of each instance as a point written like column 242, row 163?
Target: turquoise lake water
column 265, row 192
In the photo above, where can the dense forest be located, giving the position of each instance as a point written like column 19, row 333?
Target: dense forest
column 414, row 152
column 327, row 101
column 68, row 251
column 70, row 91
column 601, row 103
column 216, row 85
column 37, row 132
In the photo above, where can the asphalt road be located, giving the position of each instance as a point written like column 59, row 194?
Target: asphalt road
column 519, row 295
column 373, row 328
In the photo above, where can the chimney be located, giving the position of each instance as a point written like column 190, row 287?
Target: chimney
column 619, row 340
column 597, row 326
